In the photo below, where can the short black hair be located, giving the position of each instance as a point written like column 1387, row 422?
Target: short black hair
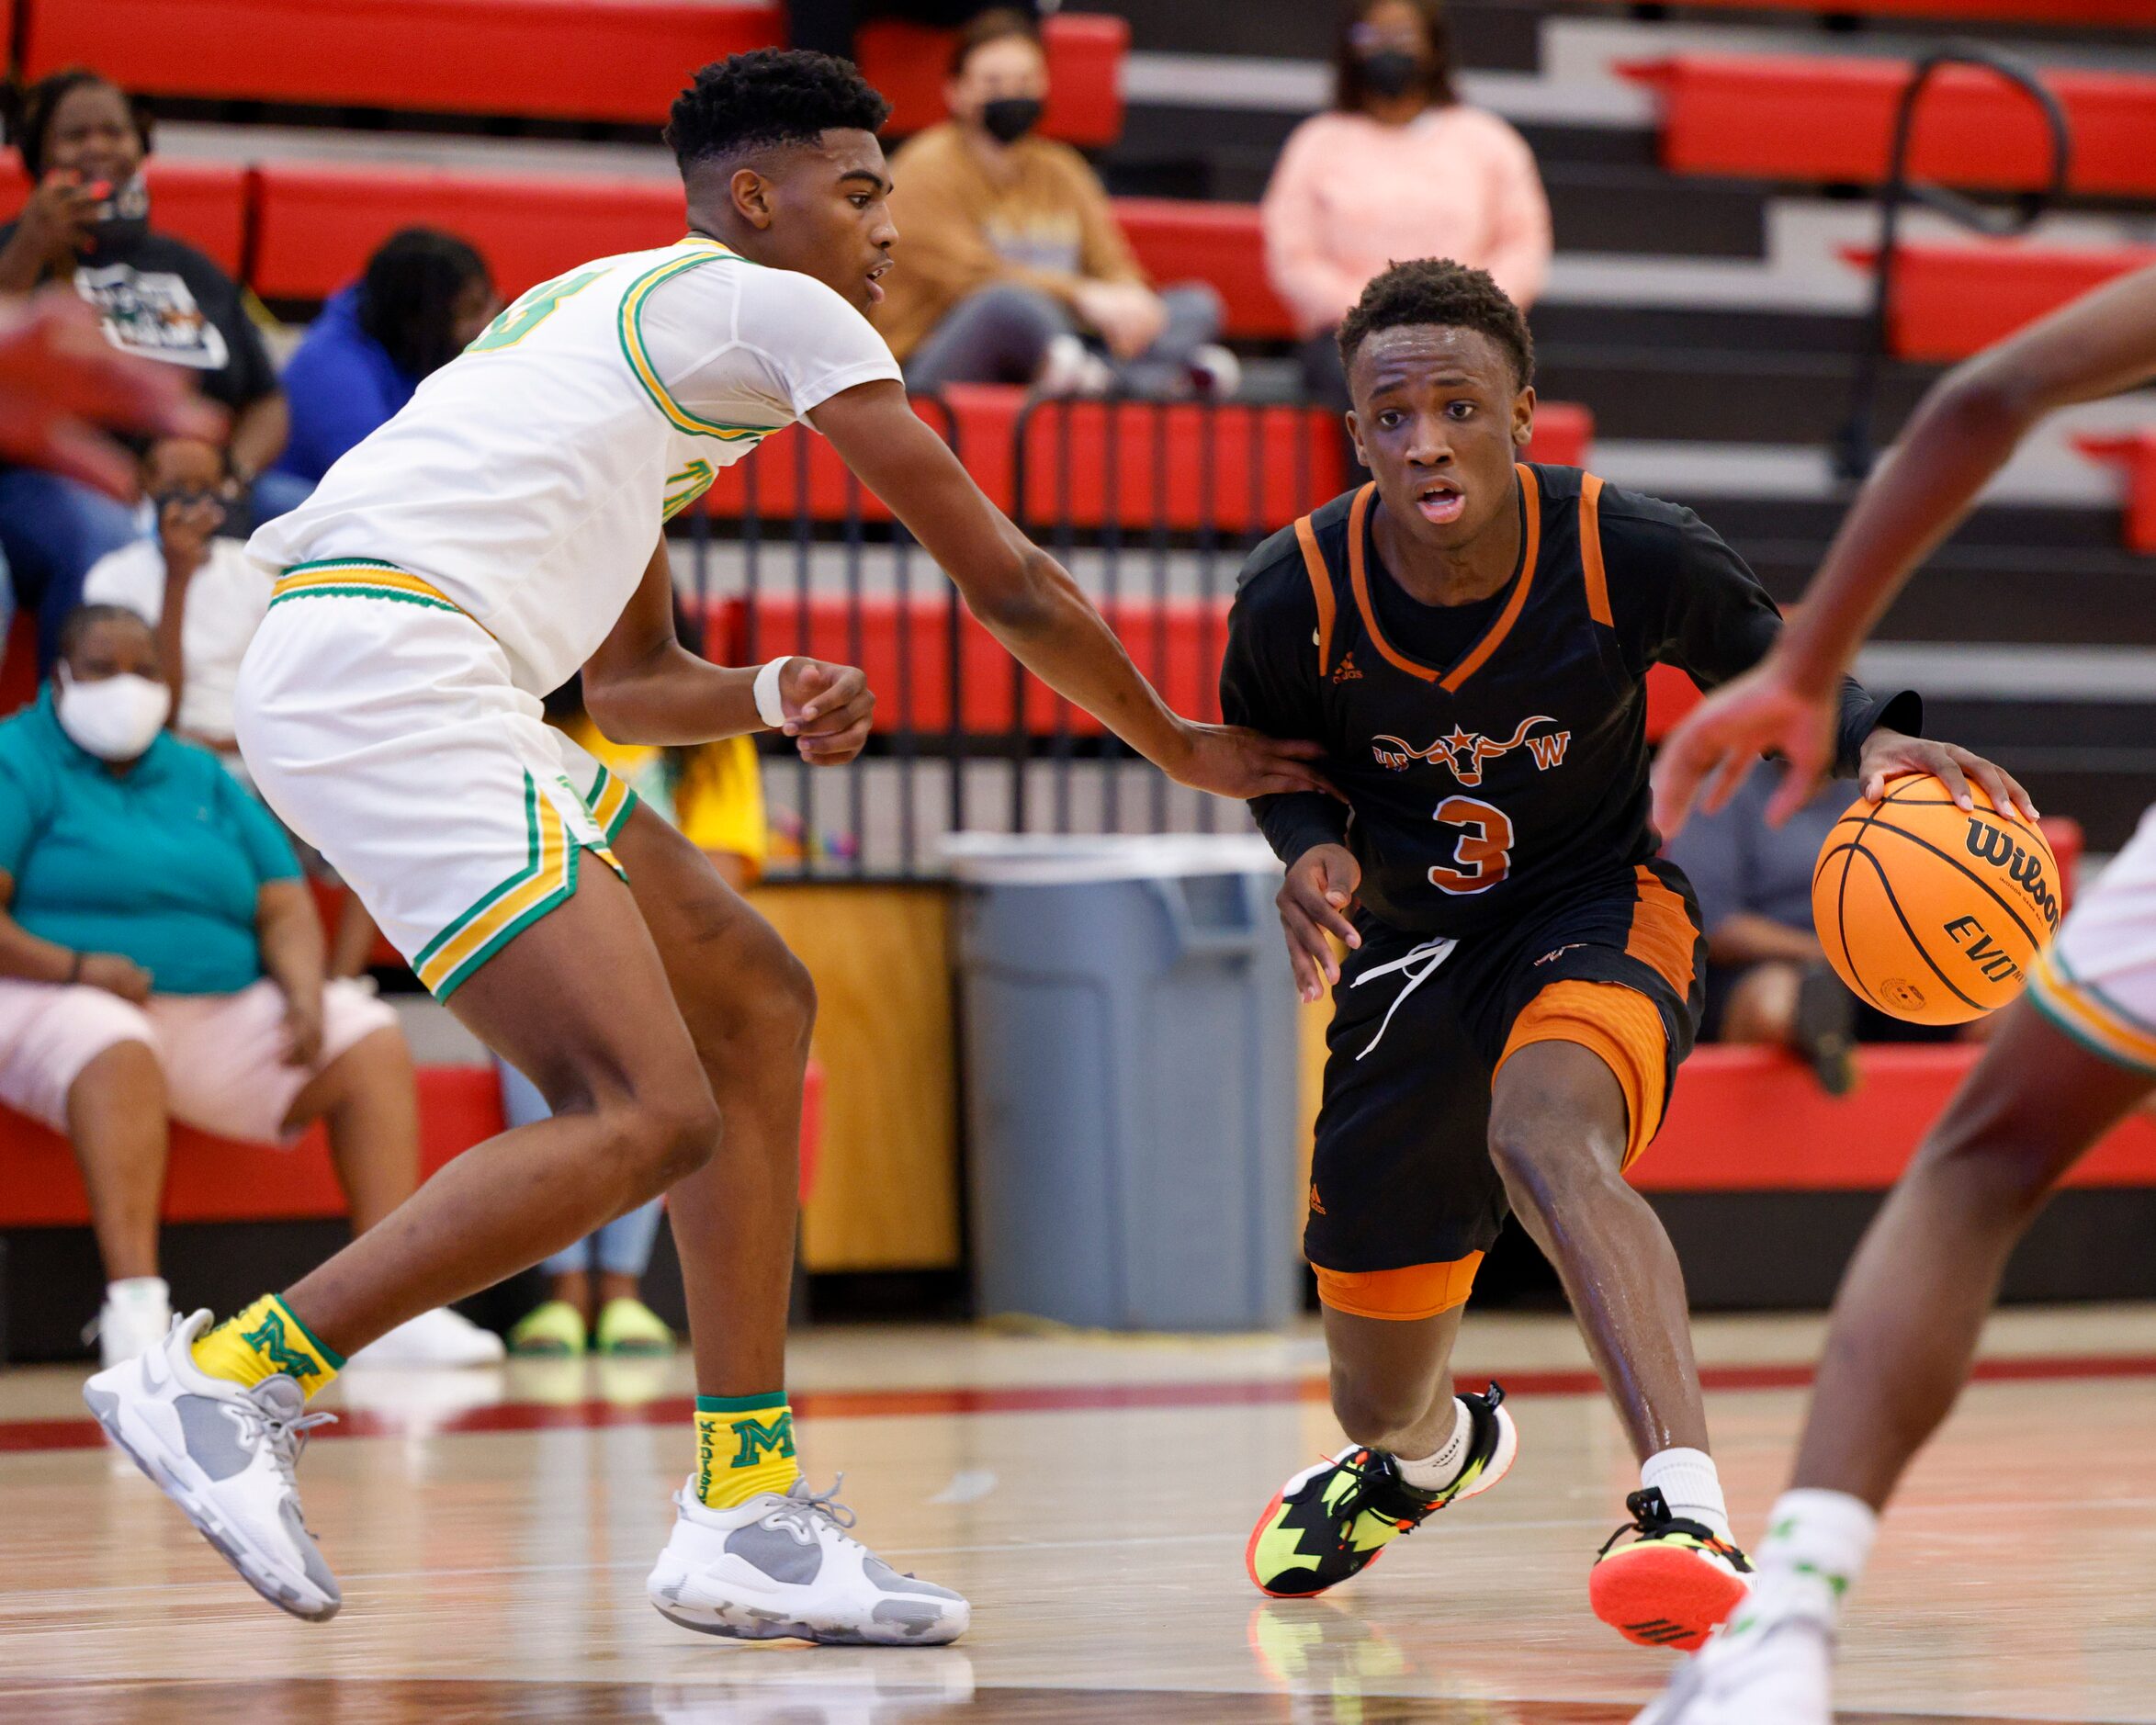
column 408, row 297
column 83, row 618
column 1438, row 290
column 773, row 96
column 29, row 112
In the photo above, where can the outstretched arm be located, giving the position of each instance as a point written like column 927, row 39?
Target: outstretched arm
column 644, row 686
column 1961, row 433
column 1030, row 603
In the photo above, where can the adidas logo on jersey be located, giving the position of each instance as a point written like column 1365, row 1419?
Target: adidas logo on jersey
column 1345, row 671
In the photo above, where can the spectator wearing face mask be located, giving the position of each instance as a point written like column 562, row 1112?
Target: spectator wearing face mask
column 1013, row 269
column 160, row 960
column 1400, row 167
column 88, row 225
column 424, row 298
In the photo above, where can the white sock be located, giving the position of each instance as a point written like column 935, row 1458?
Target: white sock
column 1815, row 1550
column 1434, row 1472
column 142, row 1292
column 1691, row 1486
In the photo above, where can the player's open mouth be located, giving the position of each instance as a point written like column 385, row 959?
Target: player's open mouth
column 875, row 282
column 1440, row 502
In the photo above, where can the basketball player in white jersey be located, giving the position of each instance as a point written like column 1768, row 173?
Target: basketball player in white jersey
column 500, row 534
column 2070, row 1058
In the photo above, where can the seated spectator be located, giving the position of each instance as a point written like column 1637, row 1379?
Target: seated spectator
column 160, row 960
column 1013, row 269
column 714, row 795
column 192, row 584
column 88, row 223
column 1767, row 979
column 1400, row 168
column 423, row 299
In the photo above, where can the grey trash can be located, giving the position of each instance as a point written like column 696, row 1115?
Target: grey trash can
column 1131, row 1072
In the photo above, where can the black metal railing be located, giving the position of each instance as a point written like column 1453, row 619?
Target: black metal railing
column 1854, row 449
column 1151, row 505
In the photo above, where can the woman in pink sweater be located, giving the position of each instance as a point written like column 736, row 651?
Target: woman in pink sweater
column 1401, row 168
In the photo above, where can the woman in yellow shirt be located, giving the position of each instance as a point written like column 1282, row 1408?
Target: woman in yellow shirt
column 712, row 793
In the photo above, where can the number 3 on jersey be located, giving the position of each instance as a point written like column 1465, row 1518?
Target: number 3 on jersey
column 530, row 311
column 1484, row 855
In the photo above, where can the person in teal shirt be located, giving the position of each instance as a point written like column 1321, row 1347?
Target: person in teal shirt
column 161, row 959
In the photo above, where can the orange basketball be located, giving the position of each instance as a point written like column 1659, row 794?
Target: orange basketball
column 1932, row 914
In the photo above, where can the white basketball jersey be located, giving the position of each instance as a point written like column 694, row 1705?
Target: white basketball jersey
column 528, row 478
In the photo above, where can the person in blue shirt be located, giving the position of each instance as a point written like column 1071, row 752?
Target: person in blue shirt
column 423, row 298
column 161, row 959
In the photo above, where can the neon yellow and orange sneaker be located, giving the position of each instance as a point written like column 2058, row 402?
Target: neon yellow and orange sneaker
column 1672, row 1585
column 1331, row 1520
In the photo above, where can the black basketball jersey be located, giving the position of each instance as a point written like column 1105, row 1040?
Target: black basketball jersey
column 1492, row 764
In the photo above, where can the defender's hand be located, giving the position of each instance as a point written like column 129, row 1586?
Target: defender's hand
column 1314, row 902
column 1232, row 761
column 1889, row 754
column 829, row 710
column 1720, row 738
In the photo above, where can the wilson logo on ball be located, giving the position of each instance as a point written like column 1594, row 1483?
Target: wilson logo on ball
column 2023, row 867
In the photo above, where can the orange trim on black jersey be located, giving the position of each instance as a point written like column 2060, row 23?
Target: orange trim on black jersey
column 1321, row 589
column 1530, row 553
column 1591, row 550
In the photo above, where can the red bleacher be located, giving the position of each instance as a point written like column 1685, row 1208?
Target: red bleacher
column 622, row 60
column 1177, row 239
column 1816, row 119
column 319, row 221
column 1746, row 1120
column 1953, row 301
column 2121, row 12
column 907, row 62
column 204, row 203
column 2135, row 454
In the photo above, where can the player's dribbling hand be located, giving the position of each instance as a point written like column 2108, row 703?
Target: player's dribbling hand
column 1314, row 903
column 1708, row 755
column 829, row 710
column 1234, row 760
column 115, row 975
column 1889, row 755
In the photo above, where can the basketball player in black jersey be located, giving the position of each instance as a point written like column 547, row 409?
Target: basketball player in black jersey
column 1469, row 636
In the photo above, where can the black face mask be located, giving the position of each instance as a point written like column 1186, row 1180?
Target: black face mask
column 1390, row 72
column 1009, row 118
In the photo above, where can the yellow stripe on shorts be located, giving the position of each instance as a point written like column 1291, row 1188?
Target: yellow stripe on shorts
column 546, row 879
column 2084, row 1013
column 359, row 577
column 610, row 801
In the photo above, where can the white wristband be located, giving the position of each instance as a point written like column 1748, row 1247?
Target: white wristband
column 769, row 707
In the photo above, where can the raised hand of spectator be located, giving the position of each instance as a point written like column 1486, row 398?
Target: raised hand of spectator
column 61, row 381
column 184, row 524
column 303, row 1028
column 115, row 975
column 1129, row 316
column 57, row 220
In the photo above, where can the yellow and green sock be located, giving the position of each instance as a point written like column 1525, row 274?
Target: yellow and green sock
column 264, row 1339
column 744, row 1445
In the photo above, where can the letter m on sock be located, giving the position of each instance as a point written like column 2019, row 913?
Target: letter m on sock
column 761, row 1438
column 269, row 1340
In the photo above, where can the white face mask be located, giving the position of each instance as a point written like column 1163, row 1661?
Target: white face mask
column 115, row 719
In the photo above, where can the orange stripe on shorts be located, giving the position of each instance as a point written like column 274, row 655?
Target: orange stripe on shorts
column 1662, row 935
column 1418, row 1291
column 1620, row 1025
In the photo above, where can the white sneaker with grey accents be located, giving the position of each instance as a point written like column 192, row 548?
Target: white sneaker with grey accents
column 786, row 1568
column 225, row 1456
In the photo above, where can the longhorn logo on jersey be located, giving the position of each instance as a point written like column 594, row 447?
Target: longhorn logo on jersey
column 1467, row 753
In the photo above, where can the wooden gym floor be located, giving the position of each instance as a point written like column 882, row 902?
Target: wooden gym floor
column 1092, row 1496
